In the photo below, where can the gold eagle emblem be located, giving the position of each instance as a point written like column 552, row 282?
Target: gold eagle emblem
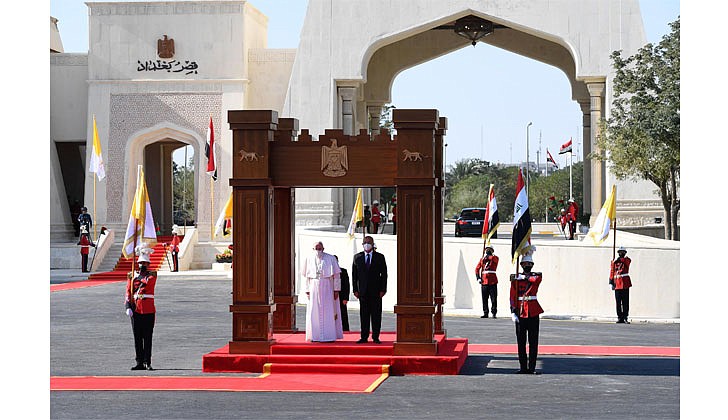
column 165, row 47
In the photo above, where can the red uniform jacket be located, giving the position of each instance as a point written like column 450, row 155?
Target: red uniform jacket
column 620, row 273
column 376, row 217
column 175, row 243
column 85, row 244
column 486, row 269
column 142, row 293
column 523, row 295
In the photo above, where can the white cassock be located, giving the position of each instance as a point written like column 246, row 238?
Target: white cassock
column 323, row 313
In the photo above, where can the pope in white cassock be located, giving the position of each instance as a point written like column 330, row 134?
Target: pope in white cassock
column 321, row 275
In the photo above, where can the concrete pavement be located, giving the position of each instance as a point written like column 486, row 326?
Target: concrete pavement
column 91, row 335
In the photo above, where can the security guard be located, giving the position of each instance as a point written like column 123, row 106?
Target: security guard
column 525, row 311
column 486, row 275
column 140, row 308
column 174, row 247
column 621, row 282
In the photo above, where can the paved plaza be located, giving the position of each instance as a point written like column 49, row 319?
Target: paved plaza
column 91, row 335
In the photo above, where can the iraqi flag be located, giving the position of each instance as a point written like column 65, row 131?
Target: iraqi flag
column 566, row 147
column 521, row 240
column 210, row 152
column 550, row 158
column 491, row 216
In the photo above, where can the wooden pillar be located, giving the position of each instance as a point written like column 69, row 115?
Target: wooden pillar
column 439, row 210
column 284, row 279
column 416, row 182
column 253, row 304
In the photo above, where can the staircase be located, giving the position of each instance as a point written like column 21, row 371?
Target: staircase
column 291, row 353
column 124, row 266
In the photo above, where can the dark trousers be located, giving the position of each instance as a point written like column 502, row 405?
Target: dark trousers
column 622, row 298
column 491, row 290
column 175, row 261
column 370, row 309
column 527, row 327
column 572, row 229
column 344, row 316
column 84, row 263
column 143, row 326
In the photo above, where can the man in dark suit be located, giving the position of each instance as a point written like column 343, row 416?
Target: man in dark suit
column 344, row 297
column 369, row 277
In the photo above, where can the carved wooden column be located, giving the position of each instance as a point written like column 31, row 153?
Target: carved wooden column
column 284, row 278
column 440, row 175
column 253, row 304
column 415, row 182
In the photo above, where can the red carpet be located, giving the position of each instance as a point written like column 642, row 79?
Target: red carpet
column 579, row 350
column 281, row 382
column 292, row 353
column 123, row 266
column 80, row 284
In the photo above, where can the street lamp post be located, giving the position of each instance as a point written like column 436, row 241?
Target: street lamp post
column 528, row 156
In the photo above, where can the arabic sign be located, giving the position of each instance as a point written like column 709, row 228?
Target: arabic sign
column 174, row 66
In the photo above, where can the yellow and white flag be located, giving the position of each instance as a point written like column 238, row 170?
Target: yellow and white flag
column 97, row 163
column 225, row 221
column 604, row 220
column 357, row 215
column 141, row 223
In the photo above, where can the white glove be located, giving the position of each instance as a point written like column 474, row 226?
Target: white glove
column 514, row 317
column 129, row 312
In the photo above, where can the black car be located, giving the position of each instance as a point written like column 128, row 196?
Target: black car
column 470, row 222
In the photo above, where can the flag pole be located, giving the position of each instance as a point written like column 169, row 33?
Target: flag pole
column 94, row 221
column 571, row 163
column 212, row 208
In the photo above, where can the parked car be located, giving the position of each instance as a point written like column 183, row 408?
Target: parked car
column 470, row 222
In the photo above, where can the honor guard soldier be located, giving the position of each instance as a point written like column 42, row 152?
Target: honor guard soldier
column 485, row 272
column 174, row 247
column 86, row 244
column 621, row 282
column 140, row 308
column 84, row 219
column 525, row 311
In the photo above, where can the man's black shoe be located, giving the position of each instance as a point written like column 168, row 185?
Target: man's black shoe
column 376, row 341
column 621, row 321
column 484, row 316
column 523, row 371
column 361, row 341
column 494, row 316
column 626, row 322
column 138, row 367
column 149, row 366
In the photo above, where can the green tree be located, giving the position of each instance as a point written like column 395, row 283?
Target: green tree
column 183, row 193
column 555, row 185
column 642, row 136
column 472, row 190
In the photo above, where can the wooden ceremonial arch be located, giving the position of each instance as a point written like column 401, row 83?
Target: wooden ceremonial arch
column 270, row 159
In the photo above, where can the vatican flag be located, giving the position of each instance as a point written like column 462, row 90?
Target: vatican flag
column 141, row 223
column 97, row 163
column 224, row 222
column 607, row 216
column 356, row 216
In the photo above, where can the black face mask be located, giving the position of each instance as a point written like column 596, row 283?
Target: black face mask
column 488, row 252
column 143, row 268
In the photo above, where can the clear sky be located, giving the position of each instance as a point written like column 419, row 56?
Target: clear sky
column 481, row 90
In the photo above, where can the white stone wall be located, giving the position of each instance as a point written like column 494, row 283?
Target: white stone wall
column 575, row 274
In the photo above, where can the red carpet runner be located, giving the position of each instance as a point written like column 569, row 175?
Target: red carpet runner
column 123, row 266
column 281, row 382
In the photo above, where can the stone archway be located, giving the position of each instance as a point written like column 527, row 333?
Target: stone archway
column 153, row 148
column 269, row 162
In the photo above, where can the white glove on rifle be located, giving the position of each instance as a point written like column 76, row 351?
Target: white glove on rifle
column 514, row 317
column 129, row 312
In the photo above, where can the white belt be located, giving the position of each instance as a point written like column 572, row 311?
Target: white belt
column 622, row 275
column 489, row 272
column 526, row 297
column 143, row 296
